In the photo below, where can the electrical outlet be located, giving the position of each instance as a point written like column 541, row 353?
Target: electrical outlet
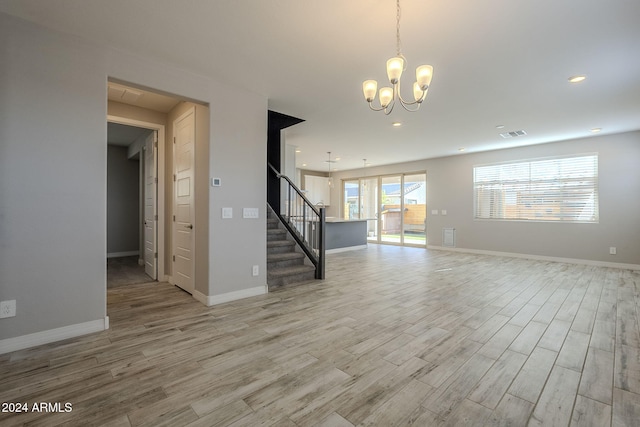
column 612, row 250
column 7, row 308
column 256, row 270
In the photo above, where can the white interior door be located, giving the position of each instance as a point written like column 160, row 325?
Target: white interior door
column 184, row 200
column 150, row 205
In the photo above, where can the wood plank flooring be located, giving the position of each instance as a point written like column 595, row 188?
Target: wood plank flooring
column 394, row 336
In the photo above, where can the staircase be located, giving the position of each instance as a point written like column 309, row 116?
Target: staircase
column 286, row 264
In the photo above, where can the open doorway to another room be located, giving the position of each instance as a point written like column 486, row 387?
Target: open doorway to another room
column 181, row 130
column 395, row 207
column 127, row 234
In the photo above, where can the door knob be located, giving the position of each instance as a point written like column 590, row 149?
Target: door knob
column 190, row 226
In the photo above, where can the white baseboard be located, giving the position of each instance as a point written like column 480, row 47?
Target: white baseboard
column 210, row 300
column 347, row 248
column 52, row 335
column 121, row 254
column 540, row 257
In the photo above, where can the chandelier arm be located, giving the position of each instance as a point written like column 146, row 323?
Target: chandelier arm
column 387, row 110
column 419, row 101
column 374, row 108
column 405, row 103
column 405, row 106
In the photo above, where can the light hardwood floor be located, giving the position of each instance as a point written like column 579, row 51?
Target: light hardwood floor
column 393, row 336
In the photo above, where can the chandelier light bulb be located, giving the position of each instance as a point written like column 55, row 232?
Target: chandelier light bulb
column 370, row 87
column 394, row 69
column 386, row 95
column 424, row 74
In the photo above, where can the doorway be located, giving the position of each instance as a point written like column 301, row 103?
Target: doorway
column 394, row 206
column 132, row 202
column 140, row 107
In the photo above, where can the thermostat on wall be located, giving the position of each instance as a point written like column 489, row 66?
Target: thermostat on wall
column 216, row 182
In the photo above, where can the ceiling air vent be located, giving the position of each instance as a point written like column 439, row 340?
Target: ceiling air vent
column 513, row 134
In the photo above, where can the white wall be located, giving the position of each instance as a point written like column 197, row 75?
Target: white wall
column 52, row 179
column 450, row 187
column 53, row 155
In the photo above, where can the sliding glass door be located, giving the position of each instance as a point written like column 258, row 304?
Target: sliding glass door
column 414, row 226
column 369, row 206
column 393, row 205
column 351, row 199
column 391, row 209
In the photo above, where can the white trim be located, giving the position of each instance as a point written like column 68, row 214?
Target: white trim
column 210, row 300
column 52, row 335
column 121, row 254
column 594, row 263
column 346, row 248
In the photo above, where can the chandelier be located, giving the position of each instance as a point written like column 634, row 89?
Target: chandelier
column 395, row 67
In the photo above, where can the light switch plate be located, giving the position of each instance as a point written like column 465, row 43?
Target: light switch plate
column 7, row 308
column 434, row 211
column 443, row 211
column 227, row 213
column 252, row 213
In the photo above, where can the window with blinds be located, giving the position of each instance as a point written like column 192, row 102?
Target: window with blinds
column 555, row 189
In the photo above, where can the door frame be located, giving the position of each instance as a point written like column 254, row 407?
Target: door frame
column 160, row 174
column 379, row 179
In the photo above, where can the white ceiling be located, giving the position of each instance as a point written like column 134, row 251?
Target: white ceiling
column 496, row 62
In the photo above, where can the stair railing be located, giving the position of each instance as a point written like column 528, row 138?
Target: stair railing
column 304, row 221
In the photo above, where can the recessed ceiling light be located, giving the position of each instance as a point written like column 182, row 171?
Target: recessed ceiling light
column 500, row 127
column 596, row 130
column 298, row 151
column 304, row 164
column 396, row 124
column 461, row 149
column 577, row 79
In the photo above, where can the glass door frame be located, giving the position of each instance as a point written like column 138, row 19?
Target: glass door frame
column 379, row 203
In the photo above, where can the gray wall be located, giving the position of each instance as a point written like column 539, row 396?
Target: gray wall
column 450, row 187
column 123, row 201
column 53, row 169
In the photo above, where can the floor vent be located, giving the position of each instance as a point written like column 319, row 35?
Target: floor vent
column 513, row 134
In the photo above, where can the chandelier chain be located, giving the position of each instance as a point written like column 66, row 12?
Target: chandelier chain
column 398, row 43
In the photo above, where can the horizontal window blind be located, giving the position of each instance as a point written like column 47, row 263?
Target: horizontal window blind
column 557, row 189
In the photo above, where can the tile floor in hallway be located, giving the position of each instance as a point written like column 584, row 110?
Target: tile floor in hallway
column 393, row 336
